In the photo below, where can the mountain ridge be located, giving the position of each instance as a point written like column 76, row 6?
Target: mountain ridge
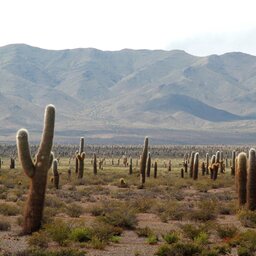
column 133, row 89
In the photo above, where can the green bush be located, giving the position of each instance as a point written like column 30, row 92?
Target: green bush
column 152, row 239
column 144, row 232
column 74, row 210
column 9, row 209
column 227, row 231
column 39, row 239
column 80, row 235
column 171, row 237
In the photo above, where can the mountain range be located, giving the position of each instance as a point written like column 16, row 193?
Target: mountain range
column 121, row 96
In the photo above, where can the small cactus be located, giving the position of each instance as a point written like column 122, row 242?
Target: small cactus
column 80, row 157
column 182, row 173
column 191, row 164
column 155, row 170
column 130, row 166
column 94, row 164
column 56, row 176
column 233, row 164
column 143, row 163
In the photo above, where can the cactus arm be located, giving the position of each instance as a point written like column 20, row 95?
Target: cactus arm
column 24, row 153
column 48, row 132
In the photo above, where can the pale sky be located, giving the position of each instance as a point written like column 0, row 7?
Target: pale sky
column 200, row 27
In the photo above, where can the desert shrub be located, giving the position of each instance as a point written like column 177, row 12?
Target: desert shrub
column 80, row 235
column 246, row 242
column 43, row 252
column 59, row 231
column 179, row 249
column 74, row 210
column 4, row 225
column 247, row 218
column 171, row 237
column 53, row 202
column 144, row 232
column 202, row 238
column 206, row 211
column 193, row 231
column 120, row 217
column 227, row 231
column 152, row 239
column 39, row 239
column 9, row 209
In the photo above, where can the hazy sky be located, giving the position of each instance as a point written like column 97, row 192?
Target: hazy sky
column 200, row 27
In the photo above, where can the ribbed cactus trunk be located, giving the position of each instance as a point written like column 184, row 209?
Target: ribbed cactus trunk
column 191, row 164
column 155, row 170
column 251, row 181
column 37, row 172
column 56, row 176
column 241, row 178
column 185, row 164
column 213, row 158
column 233, row 166
column 94, row 164
column 12, row 163
column 195, row 166
column 143, row 163
column 76, row 163
column 170, row 166
column 130, row 166
column 149, row 164
column 81, row 156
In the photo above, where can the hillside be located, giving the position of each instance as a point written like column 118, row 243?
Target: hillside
column 118, row 97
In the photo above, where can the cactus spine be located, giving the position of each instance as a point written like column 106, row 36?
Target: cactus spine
column 148, row 165
column 251, row 181
column 56, row 176
column 143, row 163
column 37, row 171
column 94, row 164
column 80, row 157
column 241, row 178
column 195, row 166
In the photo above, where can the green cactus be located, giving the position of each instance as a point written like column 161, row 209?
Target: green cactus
column 80, row 157
column 56, row 176
column 148, row 165
column 203, row 168
column 195, row 166
column 37, row 171
column 251, row 181
column 241, row 178
column 182, row 173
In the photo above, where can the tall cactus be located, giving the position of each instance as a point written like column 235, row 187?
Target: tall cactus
column 251, row 181
column 143, row 163
column 80, row 157
column 37, row 171
column 241, row 178
column 196, row 166
column 149, row 164
column 56, row 176
column 94, row 164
